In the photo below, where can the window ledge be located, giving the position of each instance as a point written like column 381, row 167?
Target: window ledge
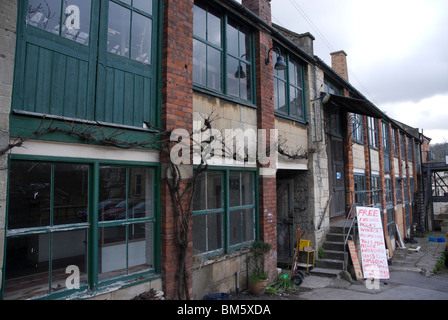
column 224, row 96
column 201, row 260
column 287, row 117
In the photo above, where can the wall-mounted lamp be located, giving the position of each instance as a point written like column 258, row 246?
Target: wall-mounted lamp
column 325, row 97
column 240, row 74
column 280, row 64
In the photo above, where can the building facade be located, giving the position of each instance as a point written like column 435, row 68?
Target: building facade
column 86, row 204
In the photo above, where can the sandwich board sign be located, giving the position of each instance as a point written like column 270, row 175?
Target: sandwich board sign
column 372, row 244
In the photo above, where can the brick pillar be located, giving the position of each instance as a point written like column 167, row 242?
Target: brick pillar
column 382, row 175
column 265, row 120
column 365, row 133
column 177, row 112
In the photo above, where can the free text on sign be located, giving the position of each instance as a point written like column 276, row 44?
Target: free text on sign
column 372, row 244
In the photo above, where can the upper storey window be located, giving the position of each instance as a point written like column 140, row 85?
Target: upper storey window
column 86, row 59
column 289, row 96
column 222, row 53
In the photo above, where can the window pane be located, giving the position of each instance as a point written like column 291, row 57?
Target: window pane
column 69, row 249
column 233, row 39
column 242, row 226
column 214, row 68
column 199, row 22
column 199, row 63
column 214, row 27
column 234, row 73
column 200, row 233
column 200, row 193
column 214, row 190
column 235, row 226
column 29, row 194
column 247, row 188
column 27, row 260
column 141, row 38
column 234, row 190
column 245, row 83
column 244, row 43
column 112, row 194
column 281, row 74
column 140, row 244
column 207, row 232
column 141, row 193
column 295, row 74
column 144, row 5
column 208, row 191
column 248, row 225
column 44, row 14
column 70, row 193
column 118, row 30
column 112, row 252
column 295, row 103
column 76, row 21
column 281, row 104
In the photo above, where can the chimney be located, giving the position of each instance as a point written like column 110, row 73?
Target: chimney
column 339, row 63
column 261, row 8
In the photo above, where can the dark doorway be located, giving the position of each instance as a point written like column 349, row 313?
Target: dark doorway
column 285, row 220
column 336, row 163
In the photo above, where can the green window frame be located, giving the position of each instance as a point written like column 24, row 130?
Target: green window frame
column 225, row 211
column 398, row 190
column 386, row 147
column 395, row 137
column 99, row 216
column 222, row 54
column 331, row 88
column 85, row 73
column 289, row 93
column 376, row 188
column 410, row 153
column 360, row 188
column 372, row 125
column 357, row 124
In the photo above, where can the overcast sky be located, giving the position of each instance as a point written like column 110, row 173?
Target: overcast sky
column 397, row 52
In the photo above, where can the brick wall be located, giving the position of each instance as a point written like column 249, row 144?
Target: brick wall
column 265, row 120
column 177, row 112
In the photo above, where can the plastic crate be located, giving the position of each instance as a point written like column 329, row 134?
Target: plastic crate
column 217, row 296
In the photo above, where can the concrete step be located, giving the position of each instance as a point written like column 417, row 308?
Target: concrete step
column 335, row 237
column 336, row 229
column 330, row 264
column 332, row 254
column 324, row 272
column 333, row 245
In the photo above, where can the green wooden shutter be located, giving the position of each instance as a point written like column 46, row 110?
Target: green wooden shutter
column 58, row 76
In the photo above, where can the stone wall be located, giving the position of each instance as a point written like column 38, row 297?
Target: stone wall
column 8, row 14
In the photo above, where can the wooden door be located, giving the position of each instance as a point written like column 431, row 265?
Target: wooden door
column 337, row 176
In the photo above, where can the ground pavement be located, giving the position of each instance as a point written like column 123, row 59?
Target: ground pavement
column 411, row 278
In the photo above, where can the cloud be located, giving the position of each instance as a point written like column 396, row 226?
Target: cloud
column 429, row 115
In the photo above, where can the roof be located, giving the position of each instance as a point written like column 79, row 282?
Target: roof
column 359, row 106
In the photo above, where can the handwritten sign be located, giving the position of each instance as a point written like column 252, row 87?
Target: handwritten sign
column 371, row 239
column 354, row 256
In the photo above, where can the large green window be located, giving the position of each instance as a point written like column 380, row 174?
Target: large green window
column 224, row 216
column 85, row 59
column 96, row 218
column 289, row 94
column 222, row 53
